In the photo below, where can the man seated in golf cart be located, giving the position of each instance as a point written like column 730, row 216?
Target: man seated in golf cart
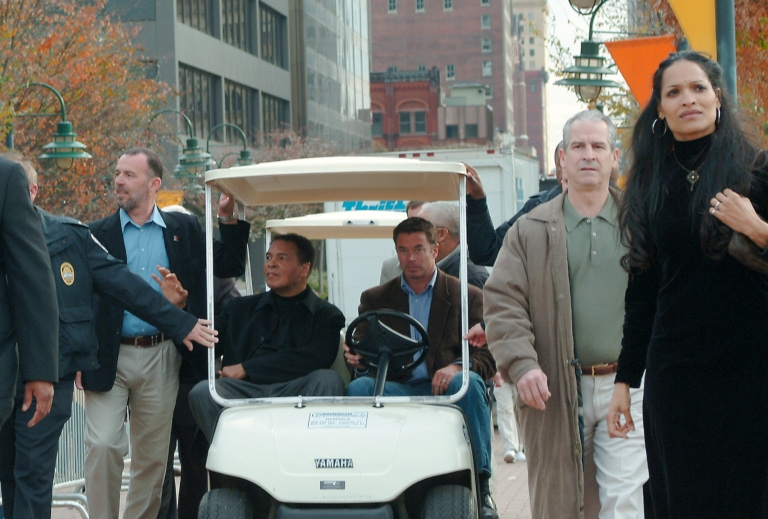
column 433, row 298
column 277, row 343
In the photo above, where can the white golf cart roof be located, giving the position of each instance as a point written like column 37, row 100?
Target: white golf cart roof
column 339, row 224
column 338, row 179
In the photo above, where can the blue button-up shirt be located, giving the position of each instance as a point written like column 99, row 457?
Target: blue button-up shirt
column 418, row 307
column 145, row 250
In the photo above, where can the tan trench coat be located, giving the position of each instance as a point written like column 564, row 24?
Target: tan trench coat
column 527, row 314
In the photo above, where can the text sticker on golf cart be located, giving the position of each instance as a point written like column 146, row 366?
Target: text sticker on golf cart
column 338, row 420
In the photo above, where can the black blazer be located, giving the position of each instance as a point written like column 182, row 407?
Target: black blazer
column 29, row 314
column 185, row 247
column 249, row 333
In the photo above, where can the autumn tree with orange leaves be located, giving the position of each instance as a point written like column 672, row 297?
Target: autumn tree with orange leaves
column 108, row 90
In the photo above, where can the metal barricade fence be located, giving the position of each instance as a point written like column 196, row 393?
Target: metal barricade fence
column 69, row 478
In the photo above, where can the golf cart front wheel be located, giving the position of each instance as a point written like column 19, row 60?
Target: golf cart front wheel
column 449, row 502
column 225, row 503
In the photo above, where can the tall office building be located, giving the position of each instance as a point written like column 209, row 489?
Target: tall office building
column 330, row 62
column 530, row 78
column 235, row 61
column 469, row 41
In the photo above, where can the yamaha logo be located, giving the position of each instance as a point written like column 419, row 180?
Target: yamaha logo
column 334, row 463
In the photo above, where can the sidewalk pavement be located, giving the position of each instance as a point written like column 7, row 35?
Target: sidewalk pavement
column 510, row 488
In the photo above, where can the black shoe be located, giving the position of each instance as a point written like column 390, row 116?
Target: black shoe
column 489, row 507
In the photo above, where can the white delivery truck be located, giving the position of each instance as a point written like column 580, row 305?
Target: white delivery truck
column 509, row 180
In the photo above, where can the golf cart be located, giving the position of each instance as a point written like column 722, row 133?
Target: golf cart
column 344, row 457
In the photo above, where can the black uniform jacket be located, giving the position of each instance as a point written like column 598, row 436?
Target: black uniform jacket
column 81, row 265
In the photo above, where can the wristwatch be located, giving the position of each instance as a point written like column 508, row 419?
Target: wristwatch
column 230, row 219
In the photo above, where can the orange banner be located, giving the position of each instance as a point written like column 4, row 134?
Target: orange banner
column 166, row 197
column 637, row 60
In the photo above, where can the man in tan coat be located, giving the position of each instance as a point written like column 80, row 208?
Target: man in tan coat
column 554, row 307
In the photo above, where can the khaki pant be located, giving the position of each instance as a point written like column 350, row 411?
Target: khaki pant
column 147, row 381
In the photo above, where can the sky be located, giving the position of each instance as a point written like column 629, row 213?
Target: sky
column 562, row 103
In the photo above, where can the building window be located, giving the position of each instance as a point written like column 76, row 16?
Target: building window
column 470, row 131
column 530, row 17
column 274, row 37
column 485, row 2
column 392, row 6
column 488, row 92
column 236, row 23
column 531, row 40
column 412, row 122
column 451, row 131
column 487, row 68
column 447, row 5
column 532, row 65
column 195, row 13
column 197, row 98
column 532, row 52
column 405, row 122
column 419, row 6
column 377, row 124
column 419, row 122
column 485, row 21
column 422, row 68
column 276, row 113
column 486, row 45
column 241, row 109
column 450, row 72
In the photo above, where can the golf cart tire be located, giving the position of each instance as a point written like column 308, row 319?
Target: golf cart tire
column 449, row 502
column 225, row 503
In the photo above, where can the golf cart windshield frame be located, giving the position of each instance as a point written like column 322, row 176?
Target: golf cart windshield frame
column 331, row 179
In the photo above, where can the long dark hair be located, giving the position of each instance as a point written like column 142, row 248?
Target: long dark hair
column 730, row 161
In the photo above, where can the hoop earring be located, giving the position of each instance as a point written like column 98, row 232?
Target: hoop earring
column 653, row 128
column 717, row 119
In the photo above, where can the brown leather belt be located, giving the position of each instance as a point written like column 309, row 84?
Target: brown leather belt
column 598, row 370
column 145, row 341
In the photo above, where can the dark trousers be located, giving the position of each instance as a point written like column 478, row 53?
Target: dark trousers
column 193, row 451
column 321, row 382
column 28, row 455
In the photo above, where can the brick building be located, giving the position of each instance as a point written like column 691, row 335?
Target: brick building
column 469, row 41
column 408, row 111
column 404, row 108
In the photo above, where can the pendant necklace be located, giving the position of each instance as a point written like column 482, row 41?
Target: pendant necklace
column 693, row 176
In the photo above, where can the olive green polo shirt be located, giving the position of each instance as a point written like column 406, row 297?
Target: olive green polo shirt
column 598, row 282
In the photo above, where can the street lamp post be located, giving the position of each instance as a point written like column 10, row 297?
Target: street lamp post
column 244, row 158
column 64, row 149
column 193, row 161
column 586, row 75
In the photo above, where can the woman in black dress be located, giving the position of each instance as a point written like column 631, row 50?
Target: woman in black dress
column 696, row 319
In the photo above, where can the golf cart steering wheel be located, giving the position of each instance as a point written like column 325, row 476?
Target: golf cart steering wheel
column 381, row 344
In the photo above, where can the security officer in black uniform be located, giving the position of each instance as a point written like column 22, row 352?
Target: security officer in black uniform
column 80, row 266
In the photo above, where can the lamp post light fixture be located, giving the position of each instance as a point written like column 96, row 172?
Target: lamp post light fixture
column 586, row 75
column 193, row 161
column 244, row 158
column 64, row 149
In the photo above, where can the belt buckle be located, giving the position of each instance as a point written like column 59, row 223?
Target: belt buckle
column 603, row 365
